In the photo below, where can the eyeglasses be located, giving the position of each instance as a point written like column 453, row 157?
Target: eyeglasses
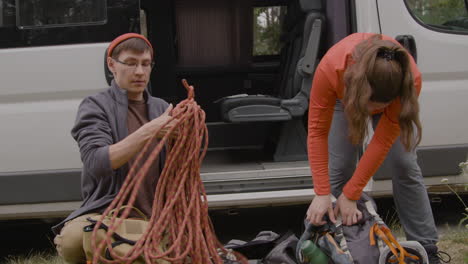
column 134, row 65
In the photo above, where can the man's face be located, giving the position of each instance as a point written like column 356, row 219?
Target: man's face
column 131, row 71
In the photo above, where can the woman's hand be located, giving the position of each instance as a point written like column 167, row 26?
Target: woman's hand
column 347, row 208
column 321, row 204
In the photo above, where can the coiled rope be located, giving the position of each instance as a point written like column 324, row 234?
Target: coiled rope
column 179, row 217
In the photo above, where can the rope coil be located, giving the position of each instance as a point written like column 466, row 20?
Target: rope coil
column 179, row 216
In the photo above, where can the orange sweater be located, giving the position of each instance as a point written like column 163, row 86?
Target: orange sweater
column 327, row 87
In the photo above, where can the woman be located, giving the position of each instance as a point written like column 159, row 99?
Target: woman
column 367, row 77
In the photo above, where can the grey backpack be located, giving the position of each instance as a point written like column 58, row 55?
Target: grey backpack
column 369, row 241
column 267, row 248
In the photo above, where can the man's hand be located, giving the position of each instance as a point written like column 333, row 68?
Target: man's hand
column 122, row 151
column 162, row 124
column 350, row 215
column 321, row 204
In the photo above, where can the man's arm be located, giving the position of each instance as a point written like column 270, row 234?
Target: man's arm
column 93, row 134
column 122, row 151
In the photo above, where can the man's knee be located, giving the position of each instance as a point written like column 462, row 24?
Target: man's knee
column 70, row 241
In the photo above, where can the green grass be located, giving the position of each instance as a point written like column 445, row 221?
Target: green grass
column 37, row 258
column 393, row 222
column 454, row 241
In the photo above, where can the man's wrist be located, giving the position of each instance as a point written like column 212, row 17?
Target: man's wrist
column 142, row 134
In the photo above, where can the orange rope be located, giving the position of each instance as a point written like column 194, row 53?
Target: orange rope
column 180, row 208
column 386, row 236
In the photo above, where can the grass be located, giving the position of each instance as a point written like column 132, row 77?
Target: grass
column 37, row 258
column 454, row 241
column 393, row 222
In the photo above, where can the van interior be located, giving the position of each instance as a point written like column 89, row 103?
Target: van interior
column 251, row 63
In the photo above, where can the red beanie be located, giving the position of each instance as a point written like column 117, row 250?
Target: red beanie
column 124, row 37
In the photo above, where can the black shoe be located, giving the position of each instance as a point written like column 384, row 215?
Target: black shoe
column 435, row 256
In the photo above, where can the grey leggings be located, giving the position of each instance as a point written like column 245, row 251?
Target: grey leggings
column 409, row 192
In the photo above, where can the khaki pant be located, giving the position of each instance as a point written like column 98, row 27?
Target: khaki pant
column 69, row 242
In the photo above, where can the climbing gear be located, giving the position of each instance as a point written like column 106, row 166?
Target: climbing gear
column 318, row 244
column 283, row 251
column 179, row 218
column 369, row 241
column 413, row 248
column 393, row 251
column 267, row 248
column 123, row 240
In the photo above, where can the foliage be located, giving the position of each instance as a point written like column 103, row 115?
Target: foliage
column 267, row 30
column 464, row 214
column 449, row 14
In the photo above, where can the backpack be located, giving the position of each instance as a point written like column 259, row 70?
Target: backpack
column 369, row 241
column 267, row 248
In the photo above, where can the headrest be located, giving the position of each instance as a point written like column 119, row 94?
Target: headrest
column 311, row 5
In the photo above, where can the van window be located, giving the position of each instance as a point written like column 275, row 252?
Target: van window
column 267, row 29
column 143, row 23
column 34, row 23
column 441, row 15
column 53, row 13
column 7, row 13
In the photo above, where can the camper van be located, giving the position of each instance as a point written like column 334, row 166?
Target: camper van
column 251, row 63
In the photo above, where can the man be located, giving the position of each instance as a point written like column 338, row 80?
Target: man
column 111, row 128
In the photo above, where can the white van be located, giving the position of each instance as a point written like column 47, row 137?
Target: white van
column 251, row 62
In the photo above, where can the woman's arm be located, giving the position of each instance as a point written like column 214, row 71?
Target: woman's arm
column 322, row 101
column 385, row 135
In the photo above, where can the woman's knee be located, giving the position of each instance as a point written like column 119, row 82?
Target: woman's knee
column 407, row 170
column 340, row 172
column 342, row 167
column 406, row 161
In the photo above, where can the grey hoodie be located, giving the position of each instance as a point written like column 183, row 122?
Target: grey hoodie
column 102, row 121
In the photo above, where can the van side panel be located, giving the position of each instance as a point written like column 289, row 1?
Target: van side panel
column 41, row 90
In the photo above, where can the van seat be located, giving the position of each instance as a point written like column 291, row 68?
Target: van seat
column 248, row 108
column 302, row 31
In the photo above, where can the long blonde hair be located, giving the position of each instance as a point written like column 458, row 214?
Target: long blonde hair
column 381, row 72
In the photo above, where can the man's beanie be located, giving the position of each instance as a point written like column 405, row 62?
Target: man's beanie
column 124, row 37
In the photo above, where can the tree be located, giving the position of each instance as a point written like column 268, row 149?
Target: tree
column 267, row 30
column 438, row 12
